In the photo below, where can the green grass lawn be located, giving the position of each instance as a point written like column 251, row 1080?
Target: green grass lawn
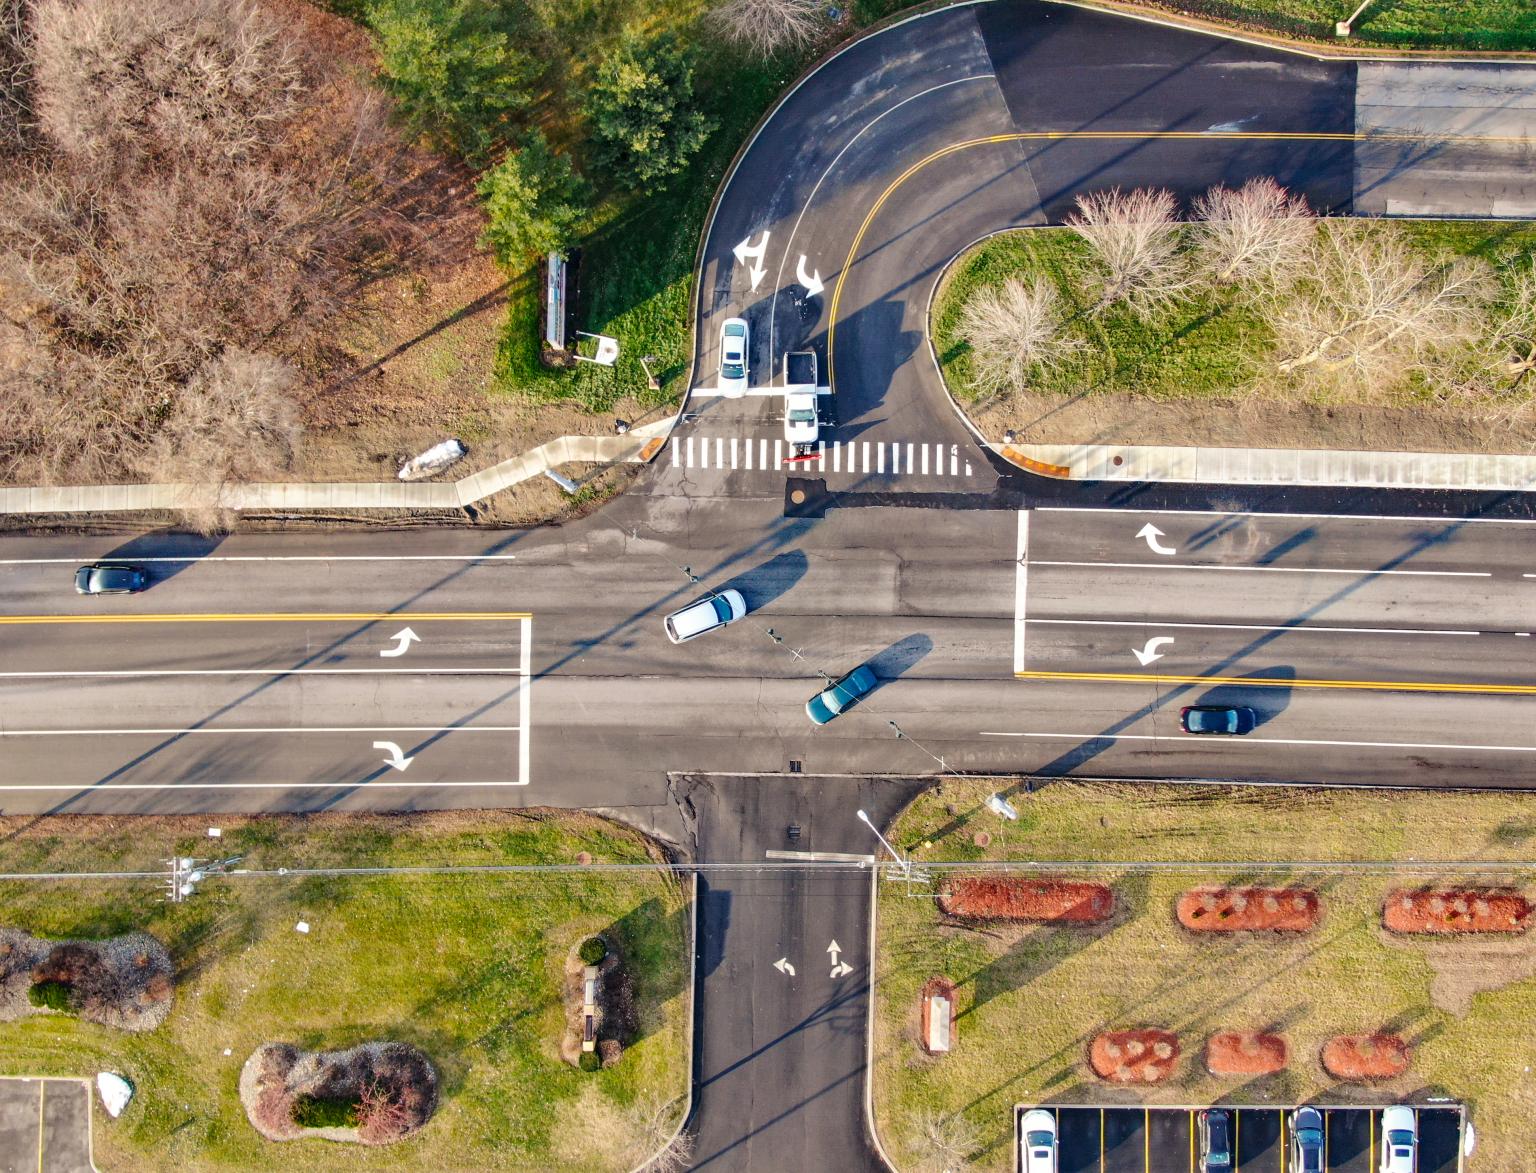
column 1486, row 25
column 467, row 967
column 1030, row 1000
column 1211, row 346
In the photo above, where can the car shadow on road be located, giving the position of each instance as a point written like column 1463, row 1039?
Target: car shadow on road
column 1267, row 700
column 164, row 553
column 769, row 581
column 900, row 658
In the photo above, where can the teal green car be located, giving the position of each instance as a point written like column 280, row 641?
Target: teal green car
column 841, row 696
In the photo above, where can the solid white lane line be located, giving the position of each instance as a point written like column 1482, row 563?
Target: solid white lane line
column 1149, row 623
column 135, row 673
column 1186, row 739
column 1270, row 569
column 1214, row 513
column 221, row 730
column 676, row 450
column 525, row 699
column 1020, row 590
column 273, row 558
column 194, row 786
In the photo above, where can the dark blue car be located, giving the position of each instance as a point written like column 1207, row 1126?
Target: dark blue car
column 1222, row 720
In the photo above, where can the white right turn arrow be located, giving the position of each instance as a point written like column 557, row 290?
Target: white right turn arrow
column 396, row 759
column 841, row 969
column 1152, row 533
column 1146, row 655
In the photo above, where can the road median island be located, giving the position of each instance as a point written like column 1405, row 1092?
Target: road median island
column 464, row 971
column 1036, row 1004
column 1251, row 363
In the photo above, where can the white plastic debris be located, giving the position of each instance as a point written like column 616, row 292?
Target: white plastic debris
column 115, row 1092
column 215, row 832
column 434, row 460
column 227, row 1051
column 301, row 927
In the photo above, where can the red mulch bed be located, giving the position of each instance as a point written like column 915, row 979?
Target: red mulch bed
column 1236, row 910
column 1026, row 898
column 1147, row 1055
column 1245, row 1052
column 1456, row 910
column 1365, row 1057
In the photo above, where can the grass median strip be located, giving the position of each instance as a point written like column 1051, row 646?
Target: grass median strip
column 469, row 968
column 1030, row 999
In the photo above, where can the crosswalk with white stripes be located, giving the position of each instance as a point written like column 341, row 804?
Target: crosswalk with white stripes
column 872, row 457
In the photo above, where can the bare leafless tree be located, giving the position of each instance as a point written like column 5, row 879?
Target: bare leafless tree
column 1256, row 233
column 947, row 1142
column 765, row 27
column 1514, row 334
column 659, row 1135
column 1135, row 241
column 1369, row 311
column 1017, row 332
column 16, row 54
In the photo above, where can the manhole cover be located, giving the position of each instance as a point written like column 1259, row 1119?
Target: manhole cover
column 798, row 496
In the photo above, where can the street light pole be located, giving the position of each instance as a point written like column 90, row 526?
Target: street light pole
column 906, row 864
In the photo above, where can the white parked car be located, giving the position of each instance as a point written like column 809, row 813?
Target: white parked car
column 1037, row 1142
column 734, row 338
column 1399, row 1140
column 700, row 618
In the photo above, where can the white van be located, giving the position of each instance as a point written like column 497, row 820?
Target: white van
column 704, row 616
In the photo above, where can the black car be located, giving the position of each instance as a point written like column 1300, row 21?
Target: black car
column 109, row 578
column 1215, row 1125
column 1221, row 720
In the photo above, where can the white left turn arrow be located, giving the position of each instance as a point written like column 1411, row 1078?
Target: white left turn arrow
column 404, row 638
column 784, row 967
column 396, row 759
column 747, row 249
column 811, row 281
column 1146, row 655
column 1152, row 533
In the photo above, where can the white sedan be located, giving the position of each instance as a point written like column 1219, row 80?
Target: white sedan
column 1399, row 1139
column 734, row 337
column 1037, row 1142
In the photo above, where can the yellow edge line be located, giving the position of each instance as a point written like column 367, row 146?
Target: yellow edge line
column 1267, row 682
column 1022, row 136
column 275, row 617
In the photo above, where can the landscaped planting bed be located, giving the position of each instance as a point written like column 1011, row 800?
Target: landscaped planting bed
column 1031, row 999
column 1236, row 910
column 1366, row 1057
column 124, row 982
column 1026, row 898
column 373, row 1094
column 1145, row 1055
column 1245, row 1052
column 1456, row 910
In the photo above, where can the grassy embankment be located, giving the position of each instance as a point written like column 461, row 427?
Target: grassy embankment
column 1213, row 345
column 467, row 967
column 1473, row 25
column 1030, row 1000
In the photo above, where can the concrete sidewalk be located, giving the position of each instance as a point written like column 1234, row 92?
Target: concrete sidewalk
column 639, row 444
column 1274, row 466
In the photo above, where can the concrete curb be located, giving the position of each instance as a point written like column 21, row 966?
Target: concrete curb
column 869, row 1031
column 693, row 978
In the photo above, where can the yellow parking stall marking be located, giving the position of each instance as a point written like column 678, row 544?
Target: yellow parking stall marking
column 278, row 617
column 1260, row 681
column 1146, row 1139
column 1282, row 1142
column 1191, row 1140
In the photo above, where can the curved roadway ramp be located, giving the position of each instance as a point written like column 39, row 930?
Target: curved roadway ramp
column 911, row 144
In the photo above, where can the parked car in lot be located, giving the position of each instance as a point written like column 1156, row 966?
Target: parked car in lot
column 1037, row 1142
column 1306, row 1141
column 109, row 578
column 841, row 695
column 1215, row 1127
column 1222, row 720
column 733, row 358
column 1399, row 1140
column 705, row 615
